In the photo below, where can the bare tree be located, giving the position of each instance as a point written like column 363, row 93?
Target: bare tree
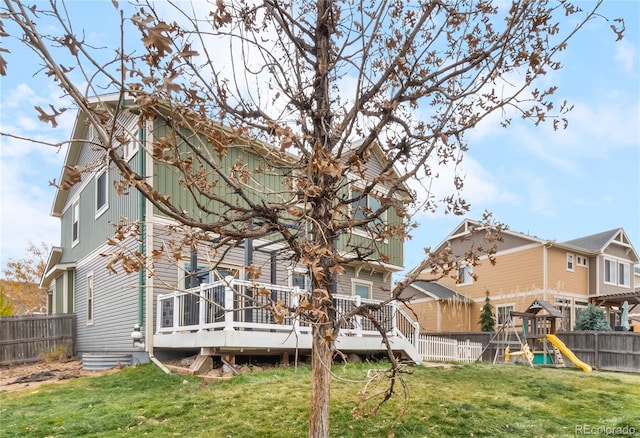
column 321, row 83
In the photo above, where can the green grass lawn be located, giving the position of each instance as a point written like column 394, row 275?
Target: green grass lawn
column 466, row 400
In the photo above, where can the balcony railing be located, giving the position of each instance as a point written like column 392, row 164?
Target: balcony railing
column 233, row 304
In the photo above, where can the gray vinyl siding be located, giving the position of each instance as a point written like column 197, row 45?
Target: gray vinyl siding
column 593, row 274
column 617, row 251
column 59, row 294
column 379, row 290
column 169, row 275
column 94, row 231
column 605, row 288
column 114, row 310
column 71, row 283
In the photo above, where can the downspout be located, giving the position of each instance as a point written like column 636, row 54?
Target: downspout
column 142, row 213
column 144, row 247
column 142, row 218
column 544, row 270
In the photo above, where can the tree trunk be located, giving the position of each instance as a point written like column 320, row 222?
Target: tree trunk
column 321, row 357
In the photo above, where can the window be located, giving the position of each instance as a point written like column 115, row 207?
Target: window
column 609, row 271
column 366, row 205
column 75, row 223
column 581, row 261
column 90, row 299
column 129, row 148
column 202, row 275
column 503, row 312
column 102, row 192
column 624, row 278
column 569, row 262
column 465, row 275
column 205, row 275
column 362, row 289
column 301, row 280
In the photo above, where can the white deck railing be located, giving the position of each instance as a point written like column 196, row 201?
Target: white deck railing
column 233, row 304
column 443, row 349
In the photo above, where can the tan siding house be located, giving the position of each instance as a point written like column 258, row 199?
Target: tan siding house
column 598, row 269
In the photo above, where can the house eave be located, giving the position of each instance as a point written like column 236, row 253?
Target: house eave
column 54, row 268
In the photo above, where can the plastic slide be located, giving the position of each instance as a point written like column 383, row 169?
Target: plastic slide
column 568, row 353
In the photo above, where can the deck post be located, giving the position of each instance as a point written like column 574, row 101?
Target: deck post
column 158, row 314
column 358, row 318
column 228, row 303
column 394, row 319
column 176, row 311
column 295, row 300
column 202, row 309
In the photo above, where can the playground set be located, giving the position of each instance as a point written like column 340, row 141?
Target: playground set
column 537, row 340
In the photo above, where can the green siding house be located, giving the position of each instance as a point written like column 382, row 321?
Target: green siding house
column 187, row 304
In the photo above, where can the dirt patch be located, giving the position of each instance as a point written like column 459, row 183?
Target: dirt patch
column 31, row 375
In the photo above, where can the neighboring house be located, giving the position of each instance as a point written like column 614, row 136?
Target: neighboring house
column 108, row 304
column 597, row 269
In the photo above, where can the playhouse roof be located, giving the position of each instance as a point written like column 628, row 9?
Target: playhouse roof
column 539, row 305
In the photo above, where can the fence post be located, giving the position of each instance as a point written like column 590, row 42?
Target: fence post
column 596, row 348
column 228, row 303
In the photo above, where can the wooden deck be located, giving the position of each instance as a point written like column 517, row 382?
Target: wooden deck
column 229, row 317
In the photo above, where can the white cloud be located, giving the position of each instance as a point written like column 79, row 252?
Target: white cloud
column 24, row 213
column 627, row 56
column 481, row 189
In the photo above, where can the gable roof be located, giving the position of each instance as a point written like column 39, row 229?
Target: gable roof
column 596, row 243
column 438, row 291
column 539, row 305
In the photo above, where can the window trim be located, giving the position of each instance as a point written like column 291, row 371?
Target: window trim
column 468, row 268
column 90, row 299
column 355, row 206
column 131, row 147
column 357, row 282
column 571, row 262
column 621, row 264
column 105, row 206
column 614, row 271
column 582, row 261
column 503, row 306
column 302, row 272
column 75, row 222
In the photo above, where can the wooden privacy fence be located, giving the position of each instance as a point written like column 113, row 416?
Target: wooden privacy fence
column 28, row 338
column 610, row 351
column 607, row 351
column 442, row 349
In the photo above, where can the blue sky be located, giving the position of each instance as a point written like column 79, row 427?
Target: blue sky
column 554, row 185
